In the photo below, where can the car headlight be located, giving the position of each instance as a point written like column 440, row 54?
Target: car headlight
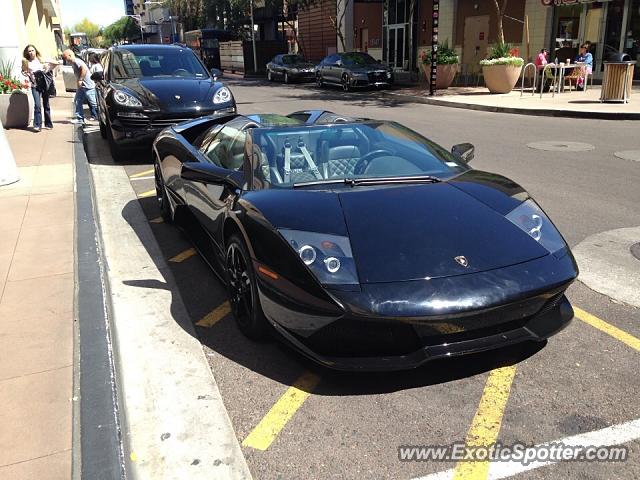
column 294, row 70
column 530, row 218
column 126, row 99
column 222, row 95
column 329, row 257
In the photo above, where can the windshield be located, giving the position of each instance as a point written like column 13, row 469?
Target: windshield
column 161, row 63
column 298, row 156
column 292, row 59
column 358, row 59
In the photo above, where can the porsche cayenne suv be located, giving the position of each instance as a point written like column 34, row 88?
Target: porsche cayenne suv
column 146, row 88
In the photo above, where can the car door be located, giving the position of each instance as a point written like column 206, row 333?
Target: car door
column 335, row 68
column 101, row 90
column 279, row 66
column 209, row 201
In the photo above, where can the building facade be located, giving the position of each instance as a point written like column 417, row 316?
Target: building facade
column 30, row 22
column 399, row 31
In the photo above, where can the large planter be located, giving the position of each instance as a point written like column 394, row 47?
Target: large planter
column 501, row 78
column 445, row 75
column 16, row 109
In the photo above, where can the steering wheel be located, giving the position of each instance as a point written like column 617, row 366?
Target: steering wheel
column 180, row 72
column 364, row 161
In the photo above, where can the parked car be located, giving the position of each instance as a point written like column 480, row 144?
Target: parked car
column 363, row 244
column 146, row 88
column 290, row 68
column 352, row 70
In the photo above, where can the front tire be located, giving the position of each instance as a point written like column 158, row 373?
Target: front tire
column 243, row 290
column 319, row 82
column 286, row 77
column 269, row 76
column 116, row 151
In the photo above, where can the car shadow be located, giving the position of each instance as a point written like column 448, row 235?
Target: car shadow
column 366, row 97
column 197, row 287
column 98, row 153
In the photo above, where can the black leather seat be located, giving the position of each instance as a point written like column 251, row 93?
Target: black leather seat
column 340, row 151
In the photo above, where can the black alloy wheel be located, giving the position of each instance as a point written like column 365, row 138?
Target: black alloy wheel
column 286, row 77
column 346, row 84
column 319, row 82
column 243, row 291
column 269, row 76
column 161, row 195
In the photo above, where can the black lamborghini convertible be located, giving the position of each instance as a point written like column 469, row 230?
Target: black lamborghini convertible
column 364, row 244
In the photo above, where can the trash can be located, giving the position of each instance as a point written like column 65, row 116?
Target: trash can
column 617, row 81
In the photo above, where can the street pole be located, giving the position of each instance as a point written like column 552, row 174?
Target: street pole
column 253, row 41
column 434, row 47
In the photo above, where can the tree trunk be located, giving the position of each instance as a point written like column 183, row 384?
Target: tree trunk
column 500, row 10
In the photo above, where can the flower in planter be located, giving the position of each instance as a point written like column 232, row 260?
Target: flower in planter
column 503, row 54
column 444, row 55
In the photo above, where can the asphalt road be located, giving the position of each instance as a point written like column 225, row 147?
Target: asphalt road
column 350, row 426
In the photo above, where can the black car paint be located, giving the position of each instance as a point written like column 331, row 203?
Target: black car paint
column 165, row 101
column 276, row 69
column 514, row 294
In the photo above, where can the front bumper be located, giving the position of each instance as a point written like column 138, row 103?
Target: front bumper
column 303, row 76
column 142, row 131
column 384, row 327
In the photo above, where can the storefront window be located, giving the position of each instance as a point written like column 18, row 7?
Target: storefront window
column 567, row 30
column 632, row 36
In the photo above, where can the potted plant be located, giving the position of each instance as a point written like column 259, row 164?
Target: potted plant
column 15, row 105
column 447, row 65
column 501, row 69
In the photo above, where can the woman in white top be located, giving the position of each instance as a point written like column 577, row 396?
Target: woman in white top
column 31, row 64
column 94, row 63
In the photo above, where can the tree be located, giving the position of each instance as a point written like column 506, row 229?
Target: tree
column 337, row 21
column 91, row 29
column 501, row 7
column 123, row 29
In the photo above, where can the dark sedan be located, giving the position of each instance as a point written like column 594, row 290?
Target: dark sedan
column 146, row 88
column 290, row 68
column 353, row 70
column 363, row 244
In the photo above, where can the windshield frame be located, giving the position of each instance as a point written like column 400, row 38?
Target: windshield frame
column 347, row 59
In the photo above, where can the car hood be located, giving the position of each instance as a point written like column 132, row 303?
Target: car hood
column 414, row 232
column 174, row 94
column 407, row 232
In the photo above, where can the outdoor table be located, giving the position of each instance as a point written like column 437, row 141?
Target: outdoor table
column 617, row 81
column 560, row 69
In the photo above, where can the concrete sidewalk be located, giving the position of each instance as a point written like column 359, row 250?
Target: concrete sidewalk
column 37, row 302
column 576, row 104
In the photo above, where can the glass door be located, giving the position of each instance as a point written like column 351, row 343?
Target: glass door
column 395, row 46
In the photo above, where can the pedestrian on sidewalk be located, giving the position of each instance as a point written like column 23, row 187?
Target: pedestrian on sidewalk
column 41, row 80
column 94, row 64
column 86, row 87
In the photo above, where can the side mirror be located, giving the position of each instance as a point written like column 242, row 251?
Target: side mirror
column 210, row 174
column 97, row 76
column 216, row 74
column 464, row 151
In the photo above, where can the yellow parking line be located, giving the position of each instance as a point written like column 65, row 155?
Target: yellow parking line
column 211, row 318
column 156, row 220
column 182, row 256
column 607, row 328
column 149, row 193
column 270, row 426
column 486, row 423
column 142, row 174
